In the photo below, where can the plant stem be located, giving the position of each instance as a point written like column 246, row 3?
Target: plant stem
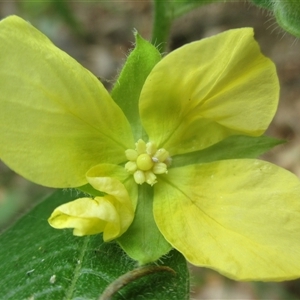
column 162, row 21
column 131, row 276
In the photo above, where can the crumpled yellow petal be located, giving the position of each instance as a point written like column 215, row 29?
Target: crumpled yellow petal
column 112, row 186
column 87, row 216
column 116, row 172
column 239, row 217
column 56, row 118
column 207, row 90
column 111, row 214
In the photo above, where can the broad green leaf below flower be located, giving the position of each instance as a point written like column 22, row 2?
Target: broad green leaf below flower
column 239, row 217
column 56, row 118
column 216, row 87
column 39, row 262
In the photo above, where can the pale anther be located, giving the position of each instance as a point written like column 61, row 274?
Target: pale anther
column 150, row 178
column 131, row 154
column 131, row 166
column 140, row 146
column 160, row 168
column 161, row 154
column 139, row 177
column 150, row 148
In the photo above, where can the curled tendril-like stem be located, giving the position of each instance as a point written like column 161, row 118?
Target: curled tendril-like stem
column 131, row 276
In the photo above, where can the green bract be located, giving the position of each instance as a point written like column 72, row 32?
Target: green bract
column 223, row 210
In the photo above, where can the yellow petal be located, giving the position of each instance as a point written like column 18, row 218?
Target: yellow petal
column 125, row 203
column 208, row 90
column 118, row 179
column 239, row 217
column 111, row 214
column 56, row 118
column 88, row 216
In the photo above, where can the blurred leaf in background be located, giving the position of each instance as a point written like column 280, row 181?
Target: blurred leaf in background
column 60, row 11
column 286, row 12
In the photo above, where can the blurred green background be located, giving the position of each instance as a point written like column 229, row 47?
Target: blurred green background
column 99, row 35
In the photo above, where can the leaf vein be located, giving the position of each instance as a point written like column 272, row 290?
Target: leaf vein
column 77, row 272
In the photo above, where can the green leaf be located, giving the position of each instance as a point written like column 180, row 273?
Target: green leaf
column 162, row 21
column 39, row 262
column 127, row 89
column 143, row 241
column 184, row 6
column 231, row 147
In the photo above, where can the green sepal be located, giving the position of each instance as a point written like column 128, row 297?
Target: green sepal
column 127, row 89
column 179, row 8
column 42, row 263
column 232, row 147
column 143, row 241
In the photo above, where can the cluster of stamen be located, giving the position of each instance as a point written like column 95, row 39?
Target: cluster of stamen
column 145, row 161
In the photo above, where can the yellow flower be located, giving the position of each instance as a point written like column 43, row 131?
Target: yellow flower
column 59, row 127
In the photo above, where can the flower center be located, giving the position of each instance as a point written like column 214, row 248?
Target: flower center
column 146, row 161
